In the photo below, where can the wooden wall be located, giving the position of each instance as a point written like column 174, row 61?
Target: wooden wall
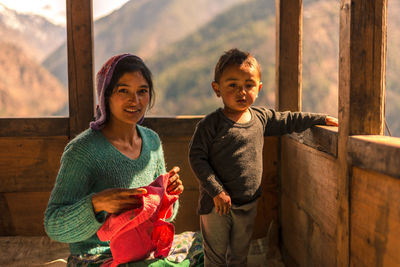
column 308, row 205
column 308, row 197
column 355, row 192
column 375, row 201
column 30, row 149
column 29, row 166
column 375, row 219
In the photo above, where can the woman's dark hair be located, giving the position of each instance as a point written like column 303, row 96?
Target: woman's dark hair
column 127, row 65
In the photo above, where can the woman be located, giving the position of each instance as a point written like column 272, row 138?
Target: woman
column 103, row 169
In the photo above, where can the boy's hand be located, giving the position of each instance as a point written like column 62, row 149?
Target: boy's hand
column 175, row 186
column 331, row 121
column 222, row 203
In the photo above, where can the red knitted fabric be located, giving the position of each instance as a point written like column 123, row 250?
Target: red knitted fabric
column 134, row 234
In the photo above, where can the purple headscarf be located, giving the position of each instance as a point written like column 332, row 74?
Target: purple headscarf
column 103, row 79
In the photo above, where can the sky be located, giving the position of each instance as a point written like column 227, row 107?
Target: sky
column 54, row 10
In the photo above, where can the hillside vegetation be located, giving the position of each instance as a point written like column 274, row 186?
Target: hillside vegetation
column 142, row 27
column 26, row 88
column 181, row 41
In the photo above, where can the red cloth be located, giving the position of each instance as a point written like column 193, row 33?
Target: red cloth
column 134, row 234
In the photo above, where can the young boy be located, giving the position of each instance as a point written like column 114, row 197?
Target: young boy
column 226, row 156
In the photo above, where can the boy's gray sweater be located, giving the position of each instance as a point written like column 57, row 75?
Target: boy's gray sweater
column 226, row 155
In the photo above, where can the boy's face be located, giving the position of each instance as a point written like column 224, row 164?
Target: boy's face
column 238, row 87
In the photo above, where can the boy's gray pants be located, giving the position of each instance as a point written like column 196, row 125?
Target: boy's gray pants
column 226, row 238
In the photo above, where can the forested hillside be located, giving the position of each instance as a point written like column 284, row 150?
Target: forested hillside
column 182, row 43
column 26, row 88
column 184, row 71
column 142, row 27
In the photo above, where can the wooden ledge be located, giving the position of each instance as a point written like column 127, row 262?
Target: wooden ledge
column 322, row 138
column 28, row 127
column 58, row 126
column 180, row 126
column 376, row 152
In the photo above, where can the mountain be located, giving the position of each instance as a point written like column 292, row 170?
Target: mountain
column 321, row 56
column 34, row 34
column 184, row 70
column 182, row 48
column 26, row 88
column 142, row 27
column 392, row 107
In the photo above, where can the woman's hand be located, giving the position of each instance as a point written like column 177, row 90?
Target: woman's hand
column 175, row 186
column 117, row 200
column 331, row 121
column 222, row 203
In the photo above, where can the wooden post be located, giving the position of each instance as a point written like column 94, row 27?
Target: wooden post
column 289, row 30
column 288, row 73
column 362, row 58
column 80, row 64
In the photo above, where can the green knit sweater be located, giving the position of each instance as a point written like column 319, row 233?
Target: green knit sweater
column 90, row 164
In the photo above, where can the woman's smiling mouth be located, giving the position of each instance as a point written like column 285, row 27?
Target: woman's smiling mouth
column 132, row 110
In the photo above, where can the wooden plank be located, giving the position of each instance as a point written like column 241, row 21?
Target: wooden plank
column 176, row 151
column 34, row 127
column 187, row 218
column 27, row 212
column 342, row 234
column 288, row 67
column 375, row 219
column 322, row 138
column 80, row 64
column 306, row 244
column 29, row 163
column 310, row 180
column 180, row 126
column 289, row 32
column 367, row 68
column 377, row 153
column 362, row 55
column 268, row 204
column 6, row 223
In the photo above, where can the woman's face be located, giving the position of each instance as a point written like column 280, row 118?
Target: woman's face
column 129, row 99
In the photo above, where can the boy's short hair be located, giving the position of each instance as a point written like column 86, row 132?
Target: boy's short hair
column 235, row 57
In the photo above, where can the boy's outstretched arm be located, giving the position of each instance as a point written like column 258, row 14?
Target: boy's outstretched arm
column 331, row 121
column 286, row 122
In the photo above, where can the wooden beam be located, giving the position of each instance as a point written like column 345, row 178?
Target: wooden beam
column 343, row 224
column 362, row 52
column 80, row 64
column 322, row 138
column 367, row 68
column 288, row 74
column 383, row 153
column 289, row 31
column 34, row 127
column 167, row 126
